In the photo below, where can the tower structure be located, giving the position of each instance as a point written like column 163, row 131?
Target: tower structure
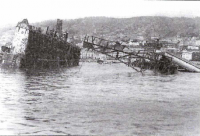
column 59, row 27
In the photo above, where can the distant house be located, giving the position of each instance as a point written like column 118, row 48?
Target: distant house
column 187, row 55
column 140, row 37
column 172, row 49
column 180, row 43
column 192, row 47
column 154, row 37
column 197, row 42
column 133, row 43
column 91, row 55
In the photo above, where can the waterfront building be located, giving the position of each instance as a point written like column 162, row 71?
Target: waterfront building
column 190, row 47
column 85, row 54
column 187, row 55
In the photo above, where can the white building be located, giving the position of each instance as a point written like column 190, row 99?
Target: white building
column 193, row 47
column 131, row 43
column 91, row 55
column 197, row 42
column 186, row 55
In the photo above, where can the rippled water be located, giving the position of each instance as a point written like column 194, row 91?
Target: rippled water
column 95, row 99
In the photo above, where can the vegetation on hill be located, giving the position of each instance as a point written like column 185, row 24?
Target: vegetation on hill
column 119, row 28
column 131, row 27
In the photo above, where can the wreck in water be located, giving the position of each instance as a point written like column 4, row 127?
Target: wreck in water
column 150, row 56
column 34, row 48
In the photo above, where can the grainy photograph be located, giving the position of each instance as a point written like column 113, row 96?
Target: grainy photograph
column 100, row 67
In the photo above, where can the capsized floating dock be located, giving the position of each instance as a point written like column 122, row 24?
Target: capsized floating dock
column 189, row 66
column 33, row 47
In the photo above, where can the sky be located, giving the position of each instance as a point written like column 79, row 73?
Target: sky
column 13, row 11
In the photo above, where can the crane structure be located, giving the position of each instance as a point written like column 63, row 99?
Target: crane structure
column 140, row 59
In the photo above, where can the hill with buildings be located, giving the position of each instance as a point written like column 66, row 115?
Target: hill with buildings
column 117, row 28
column 123, row 28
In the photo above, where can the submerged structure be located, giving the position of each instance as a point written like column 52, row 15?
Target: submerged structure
column 32, row 48
column 148, row 57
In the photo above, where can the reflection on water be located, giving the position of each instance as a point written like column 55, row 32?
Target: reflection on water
column 95, row 99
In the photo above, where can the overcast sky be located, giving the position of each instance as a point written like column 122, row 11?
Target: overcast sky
column 13, row 11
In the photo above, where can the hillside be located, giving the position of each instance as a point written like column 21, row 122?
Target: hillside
column 131, row 27
column 120, row 28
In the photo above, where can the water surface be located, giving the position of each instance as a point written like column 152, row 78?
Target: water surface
column 94, row 99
